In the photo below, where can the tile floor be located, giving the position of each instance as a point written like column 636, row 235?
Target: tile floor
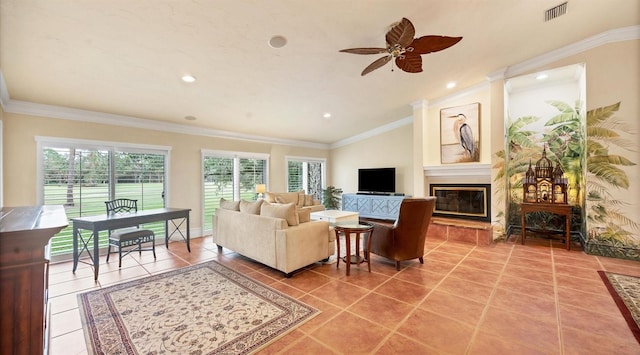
column 503, row 299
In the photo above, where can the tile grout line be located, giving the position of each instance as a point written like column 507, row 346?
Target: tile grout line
column 557, row 300
column 345, row 310
column 417, row 305
column 342, row 311
column 486, row 306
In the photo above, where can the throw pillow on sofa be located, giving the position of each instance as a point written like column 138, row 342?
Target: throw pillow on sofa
column 304, row 215
column 308, row 200
column 229, row 205
column 252, row 207
column 287, row 197
column 285, row 211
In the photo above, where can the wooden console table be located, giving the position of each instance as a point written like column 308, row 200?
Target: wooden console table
column 24, row 234
column 555, row 208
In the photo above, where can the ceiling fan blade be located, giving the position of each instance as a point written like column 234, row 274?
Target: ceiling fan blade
column 411, row 63
column 377, row 64
column 429, row 44
column 364, row 50
column 401, row 34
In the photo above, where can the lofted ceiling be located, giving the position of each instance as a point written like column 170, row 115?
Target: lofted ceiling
column 127, row 57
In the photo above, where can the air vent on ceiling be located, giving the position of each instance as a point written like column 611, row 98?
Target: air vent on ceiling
column 555, row 11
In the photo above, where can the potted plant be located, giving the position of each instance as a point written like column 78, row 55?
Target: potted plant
column 331, row 197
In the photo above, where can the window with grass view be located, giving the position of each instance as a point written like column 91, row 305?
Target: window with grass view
column 82, row 178
column 306, row 174
column 232, row 176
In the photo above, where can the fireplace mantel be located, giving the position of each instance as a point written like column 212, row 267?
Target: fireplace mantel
column 457, row 170
column 460, row 229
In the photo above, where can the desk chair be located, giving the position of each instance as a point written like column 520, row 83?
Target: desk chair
column 128, row 237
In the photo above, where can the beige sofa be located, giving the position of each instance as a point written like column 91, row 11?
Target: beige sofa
column 273, row 235
column 298, row 198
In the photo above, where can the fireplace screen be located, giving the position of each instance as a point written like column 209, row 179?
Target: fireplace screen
column 465, row 201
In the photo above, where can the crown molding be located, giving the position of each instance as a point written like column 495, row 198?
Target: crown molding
column 612, row 36
column 65, row 113
column 372, row 133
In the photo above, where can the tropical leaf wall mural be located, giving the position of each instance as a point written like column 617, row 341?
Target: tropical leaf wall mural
column 610, row 231
column 583, row 150
column 562, row 136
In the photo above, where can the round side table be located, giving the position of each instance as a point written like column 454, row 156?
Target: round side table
column 347, row 229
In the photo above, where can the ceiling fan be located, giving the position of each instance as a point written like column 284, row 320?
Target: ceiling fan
column 404, row 48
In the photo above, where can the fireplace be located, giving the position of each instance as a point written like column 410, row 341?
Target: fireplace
column 463, row 201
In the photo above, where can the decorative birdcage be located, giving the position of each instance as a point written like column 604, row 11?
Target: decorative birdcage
column 543, row 183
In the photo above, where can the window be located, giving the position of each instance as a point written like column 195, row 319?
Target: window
column 82, row 175
column 232, row 176
column 306, row 174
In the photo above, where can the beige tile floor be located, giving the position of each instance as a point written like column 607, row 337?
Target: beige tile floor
column 503, row 299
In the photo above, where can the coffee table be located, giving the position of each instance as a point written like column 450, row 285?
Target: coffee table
column 347, row 229
column 335, row 216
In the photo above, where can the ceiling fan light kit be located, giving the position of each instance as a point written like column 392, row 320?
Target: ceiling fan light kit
column 404, row 48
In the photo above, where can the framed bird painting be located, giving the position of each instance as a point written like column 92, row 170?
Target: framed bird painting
column 460, row 134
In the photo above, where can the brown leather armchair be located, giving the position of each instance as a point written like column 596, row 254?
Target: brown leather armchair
column 404, row 240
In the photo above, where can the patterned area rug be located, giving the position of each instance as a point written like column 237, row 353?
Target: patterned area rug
column 625, row 290
column 201, row 309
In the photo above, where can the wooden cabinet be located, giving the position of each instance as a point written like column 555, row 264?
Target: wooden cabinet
column 24, row 235
column 373, row 206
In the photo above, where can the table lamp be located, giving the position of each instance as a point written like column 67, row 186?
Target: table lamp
column 261, row 189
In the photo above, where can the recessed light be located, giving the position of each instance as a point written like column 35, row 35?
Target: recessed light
column 277, row 42
column 542, row 76
column 188, row 78
column 326, row 115
column 451, row 85
column 190, row 118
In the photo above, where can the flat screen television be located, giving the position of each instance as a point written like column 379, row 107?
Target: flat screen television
column 377, row 181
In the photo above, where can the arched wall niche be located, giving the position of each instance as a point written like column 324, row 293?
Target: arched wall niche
column 546, row 110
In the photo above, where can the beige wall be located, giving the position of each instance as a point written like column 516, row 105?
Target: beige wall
column 432, row 125
column 184, row 181
column 390, row 149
